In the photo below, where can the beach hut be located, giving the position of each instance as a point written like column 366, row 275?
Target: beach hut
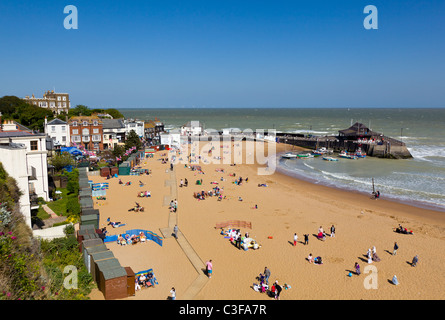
column 90, row 219
column 90, row 243
column 85, row 192
column 95, row 258
column 84, row 230
column 83, row 182
column 104, row 172
column 86, row 202
column 124, row 169
column 131, row 278
column 114, row 171
column 112, row 280
column 87, row 252
column 87, row 211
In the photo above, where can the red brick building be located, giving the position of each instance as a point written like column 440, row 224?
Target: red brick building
column 87, row 132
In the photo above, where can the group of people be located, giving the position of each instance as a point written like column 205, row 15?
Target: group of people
column 133, row 239
column 173, row 205
column 275, row 289
column 214, row 192
column 316, row 260
column 137, row 208
column 372, row 255
column 144, row 194
column 403, row 230
column 183, row 183
column 146, row 281
column 128, row 183
column 240, row 180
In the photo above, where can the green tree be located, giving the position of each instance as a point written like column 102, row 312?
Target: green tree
column 79, row 110
column 62, row 160
column 132, row 140
column 114, row 113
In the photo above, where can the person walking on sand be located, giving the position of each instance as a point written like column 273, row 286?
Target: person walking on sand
column 396, row 247
column 173, row 293
column 295, row 239
column 266, row 274
column 357, row 269
column 175, row 231
column 278, row 289
column 332, row 231
column 209, row 268
column 415, row 260
column 306, row 239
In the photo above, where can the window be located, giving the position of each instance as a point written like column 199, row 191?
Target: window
column 63, row 139
column 85, row 123
column 76, row 138
column 63, row 128
column 85, row 132
column 52, row 104
column 64, row 104
column 34, row 145
column 95, row 123
column 59, row 104
column 64, row 98
column 75, row 131
column 95, row 130
column 74, row 124
column 58, row 98
column 96, row 138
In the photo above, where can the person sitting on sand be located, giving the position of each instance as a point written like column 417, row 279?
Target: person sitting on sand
column 309, row 258
column 120, row 181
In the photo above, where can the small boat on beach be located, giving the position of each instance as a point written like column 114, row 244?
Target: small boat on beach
column 305, row 155
column 320, row 151
column 359, row 153
column 330, row 159
column 346, row 155
column 289, row 155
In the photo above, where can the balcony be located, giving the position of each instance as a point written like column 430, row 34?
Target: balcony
column 85, row 139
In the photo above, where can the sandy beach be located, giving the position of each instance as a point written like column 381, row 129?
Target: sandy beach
column 286, row 206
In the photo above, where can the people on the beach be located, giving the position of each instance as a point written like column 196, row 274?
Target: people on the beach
column 396, row 247
column 310, row 258
column 278, row 289
column 266, row 274
column 332, row 231
column 209, row 268
column 295, row 239
column 173, row 293
column 415, row 261
column 357, row 268
column 306, row 239
column 175, row 231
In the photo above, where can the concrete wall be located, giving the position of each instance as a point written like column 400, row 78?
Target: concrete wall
column 50, row 233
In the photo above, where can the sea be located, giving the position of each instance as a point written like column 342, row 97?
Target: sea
column 419, row 181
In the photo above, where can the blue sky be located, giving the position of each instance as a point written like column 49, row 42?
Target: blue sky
column 225, row 53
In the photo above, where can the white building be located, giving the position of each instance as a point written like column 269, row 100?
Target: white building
column 136, row 125
column 114, row 133
column 172, row 139
column 58, row 130
column 24, row 156
column 192, row 128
